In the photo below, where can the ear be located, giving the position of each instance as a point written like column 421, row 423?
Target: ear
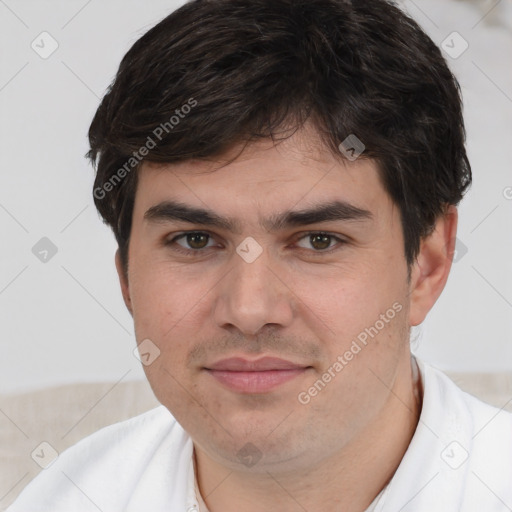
column 430, row 271
column 123, row 281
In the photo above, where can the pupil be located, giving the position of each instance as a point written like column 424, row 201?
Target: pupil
column 323, row 239
column 193, row 238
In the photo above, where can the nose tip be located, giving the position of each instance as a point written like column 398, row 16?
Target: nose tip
column 251, row 296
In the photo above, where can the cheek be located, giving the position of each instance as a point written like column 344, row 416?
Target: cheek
column 165, row 309
column 163, row 298
column 341, row 299
column 169, row 308
column 359, row 313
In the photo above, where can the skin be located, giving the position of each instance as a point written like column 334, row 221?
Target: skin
column 297, row 301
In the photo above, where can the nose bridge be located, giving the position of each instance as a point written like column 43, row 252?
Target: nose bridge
column 251, row 295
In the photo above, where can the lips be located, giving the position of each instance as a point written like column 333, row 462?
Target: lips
column 239, row 364
column 259, row 376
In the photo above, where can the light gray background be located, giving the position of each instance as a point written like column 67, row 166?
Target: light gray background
column 64, row 320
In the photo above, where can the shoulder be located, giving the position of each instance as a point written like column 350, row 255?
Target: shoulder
column 130, row 438
column 104, row 469
column 460, row 456
column 476, row 442
column 484, row 420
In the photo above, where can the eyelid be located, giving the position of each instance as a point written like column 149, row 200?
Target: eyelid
column 183, row 234
column 339, row 239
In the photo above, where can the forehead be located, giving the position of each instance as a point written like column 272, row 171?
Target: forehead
column 295, row 173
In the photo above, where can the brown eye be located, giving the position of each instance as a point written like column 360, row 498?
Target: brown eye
column 320, row 242
column 197, row 240
column 191, row 242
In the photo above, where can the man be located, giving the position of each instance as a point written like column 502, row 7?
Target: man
column 282, row 179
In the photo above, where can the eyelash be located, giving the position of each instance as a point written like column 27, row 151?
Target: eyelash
column 197, row 252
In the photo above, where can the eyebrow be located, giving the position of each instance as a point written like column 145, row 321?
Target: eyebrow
column 168, row 211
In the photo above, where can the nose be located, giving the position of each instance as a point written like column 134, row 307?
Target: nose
column 252, row 296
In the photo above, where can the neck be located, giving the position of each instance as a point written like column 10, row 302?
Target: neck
column 348, row 480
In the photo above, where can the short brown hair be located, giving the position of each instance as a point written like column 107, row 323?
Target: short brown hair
column 254, row 66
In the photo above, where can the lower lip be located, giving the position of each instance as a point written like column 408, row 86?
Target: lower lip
column 255, row 382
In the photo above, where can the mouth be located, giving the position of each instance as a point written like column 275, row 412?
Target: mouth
column 253, row 377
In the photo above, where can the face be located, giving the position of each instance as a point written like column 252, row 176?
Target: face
column 278, row 323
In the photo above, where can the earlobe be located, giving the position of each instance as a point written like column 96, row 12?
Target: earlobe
column 432, row 267
column 123, row 281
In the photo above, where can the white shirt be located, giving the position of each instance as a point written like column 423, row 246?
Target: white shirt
column 203, row 508
column 459, row 460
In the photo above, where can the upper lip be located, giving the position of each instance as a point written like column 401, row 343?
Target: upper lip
column 239, row 364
